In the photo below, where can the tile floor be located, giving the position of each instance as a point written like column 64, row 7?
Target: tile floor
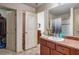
column 33, row 51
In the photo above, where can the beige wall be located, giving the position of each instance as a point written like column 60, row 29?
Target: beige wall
column 76, row 22
column 20, row 9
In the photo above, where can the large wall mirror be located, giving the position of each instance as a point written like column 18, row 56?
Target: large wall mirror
column 65, row 16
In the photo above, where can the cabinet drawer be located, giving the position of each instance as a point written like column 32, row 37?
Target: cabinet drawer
column 42, row 41
column 62, row 49
column 44, row 50
column 51, row 45
column 74, row 52
column 54, row 52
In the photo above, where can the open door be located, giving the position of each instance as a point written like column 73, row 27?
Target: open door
column 11, row 30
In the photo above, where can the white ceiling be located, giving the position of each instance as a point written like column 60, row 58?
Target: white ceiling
column 59, row 10
column 35, row 5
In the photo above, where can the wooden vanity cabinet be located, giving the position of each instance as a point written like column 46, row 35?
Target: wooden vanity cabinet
column 48, row 48
column 51, row 48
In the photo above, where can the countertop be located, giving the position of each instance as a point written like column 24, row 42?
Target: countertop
column 66, row 42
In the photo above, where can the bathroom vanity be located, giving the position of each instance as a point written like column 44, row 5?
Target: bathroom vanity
column 68, row 46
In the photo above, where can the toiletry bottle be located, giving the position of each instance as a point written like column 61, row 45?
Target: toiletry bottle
column 61, row 35
column 54, row 35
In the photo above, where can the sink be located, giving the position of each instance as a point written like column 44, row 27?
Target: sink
column 55, row 38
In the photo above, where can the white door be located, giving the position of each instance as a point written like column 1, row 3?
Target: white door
column 10, row 38
column 30, row 30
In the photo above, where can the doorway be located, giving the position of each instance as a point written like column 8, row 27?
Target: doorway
column 29, row 30
column 10, row 29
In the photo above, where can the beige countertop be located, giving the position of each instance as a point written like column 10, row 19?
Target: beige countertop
column 66, row 42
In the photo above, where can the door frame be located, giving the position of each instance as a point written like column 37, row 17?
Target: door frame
column 23, row 32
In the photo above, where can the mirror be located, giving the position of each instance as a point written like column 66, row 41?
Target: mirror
column 68, row 15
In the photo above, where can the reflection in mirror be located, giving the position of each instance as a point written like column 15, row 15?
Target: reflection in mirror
column 69, row 19
column 40, row 17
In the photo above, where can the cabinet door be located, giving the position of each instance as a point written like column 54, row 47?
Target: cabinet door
column 39, row 34
column 54, row 52
column 44, row 50
column 63, row 49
